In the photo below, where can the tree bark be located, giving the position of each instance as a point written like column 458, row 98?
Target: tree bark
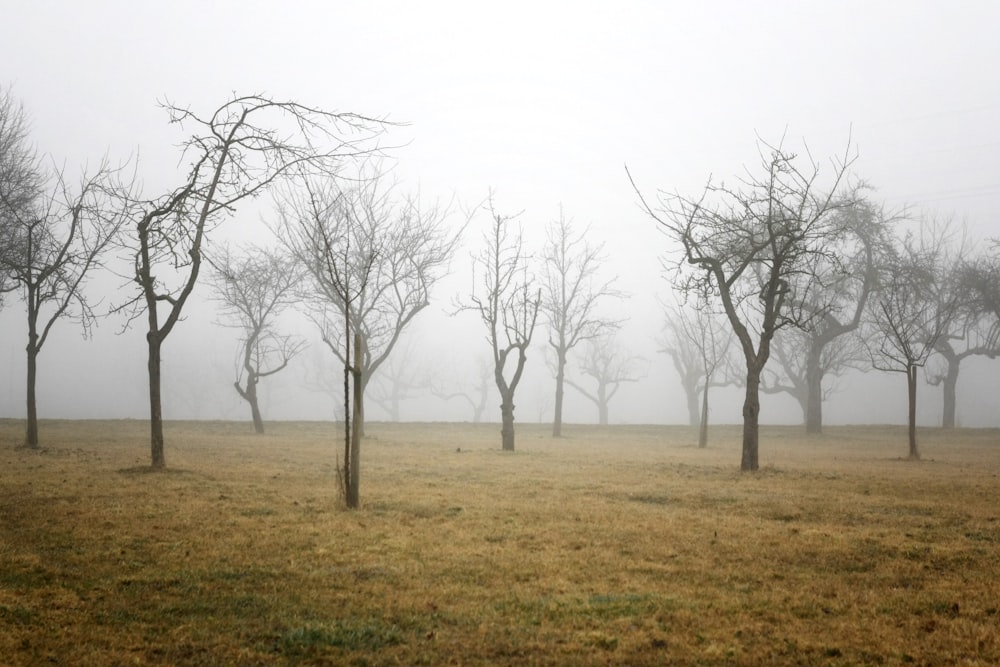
column 560, row 390
column 950, row 393
column 814, row 391
column 354, row 496
column 258, row 421
column 703, row 426
column 751, row 421
column 691, row 392
column 31, row 435
column 911, row 386
column 507, row 422
column 155, row 403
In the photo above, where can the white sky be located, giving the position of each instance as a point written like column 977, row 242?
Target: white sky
column 545, row 102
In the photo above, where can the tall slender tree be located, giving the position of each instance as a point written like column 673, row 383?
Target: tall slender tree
column 571, row 295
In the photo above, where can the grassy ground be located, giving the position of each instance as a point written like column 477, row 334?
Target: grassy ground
column 612, row 546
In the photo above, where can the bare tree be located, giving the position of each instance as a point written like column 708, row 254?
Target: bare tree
column 20, row 181
column 806, row 363
column 59, row 234
column 503, row 298
column 571, row 295
column 914, row 309
column 400, row 250
column 237, row 151
column 609, row 366
column 974, row 331
column 254, row 289
column 328, row 237
column 700, row 348
column 747, row 244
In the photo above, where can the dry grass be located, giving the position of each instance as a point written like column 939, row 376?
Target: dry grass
column 621, row 546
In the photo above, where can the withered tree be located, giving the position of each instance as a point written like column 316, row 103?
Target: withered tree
column 503, row 297
column 699, row 346
column 746, row 244
column 235, row 152
column 914, row 308
column 570, row 296
column 609, row 366
column 400, row 248
column 57, row 233
column 254, row 288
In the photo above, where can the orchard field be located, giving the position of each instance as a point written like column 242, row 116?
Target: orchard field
column 622, row 545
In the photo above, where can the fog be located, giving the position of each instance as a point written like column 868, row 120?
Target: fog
column 542, row 103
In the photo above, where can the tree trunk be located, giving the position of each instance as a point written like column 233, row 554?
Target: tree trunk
column 155, row 403
column 251, row 396
column 751, row 421
column 691, row 392
column 814, row 391
column 950, row 388
column 911, row 386
column 703, row 426
column 560, row 378
column 354, row 496
column 507, row 422
column 31, row 436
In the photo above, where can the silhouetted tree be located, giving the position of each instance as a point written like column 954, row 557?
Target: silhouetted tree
column 401, row 378
column 475, row 394
column 503, row 298
column 570, row 297
column 609, row 366
column 747, row 244
column 56, row 235
column 237, row 151
column 400, row 248
column 254, row 289
column 914, row 308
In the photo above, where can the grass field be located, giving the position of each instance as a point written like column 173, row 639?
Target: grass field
column 611, row 546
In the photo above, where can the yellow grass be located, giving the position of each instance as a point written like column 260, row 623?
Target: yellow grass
column 620, row 546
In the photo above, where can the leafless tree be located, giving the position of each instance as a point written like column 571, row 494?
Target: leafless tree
column 237, row 151
column 610, row 366
column 503, row 297
column 59, row 234
column 747, row 244
column 570, row 297
column 797, row 369
column 914, row 308
column 254, row 289
column 400, row 249
column 834, row 292
column 20, row 180
column 699, row 345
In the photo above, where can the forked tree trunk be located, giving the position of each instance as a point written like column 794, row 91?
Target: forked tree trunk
column 911, row 386
column 249, row 394
column 814, row 392
column 155, row 403
column 507, row 421
column 751, row 421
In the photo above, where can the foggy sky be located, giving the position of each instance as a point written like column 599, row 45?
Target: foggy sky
column 542, row 102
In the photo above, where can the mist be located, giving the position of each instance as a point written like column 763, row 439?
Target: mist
column 541, row 105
